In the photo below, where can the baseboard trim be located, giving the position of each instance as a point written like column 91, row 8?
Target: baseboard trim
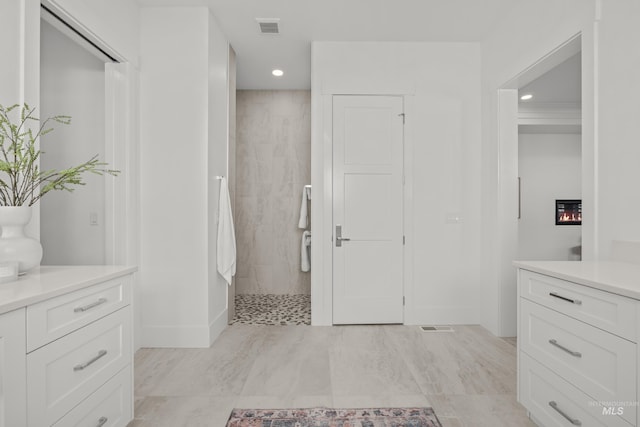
column 218, row 325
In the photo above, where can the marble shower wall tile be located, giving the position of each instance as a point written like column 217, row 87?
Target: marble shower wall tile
column 273, row 163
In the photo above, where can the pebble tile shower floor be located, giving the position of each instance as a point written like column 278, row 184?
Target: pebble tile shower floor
column 273, row 309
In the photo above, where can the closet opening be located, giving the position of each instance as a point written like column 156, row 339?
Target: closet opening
column 541, row 161
column 72, row 83
column 550, row 165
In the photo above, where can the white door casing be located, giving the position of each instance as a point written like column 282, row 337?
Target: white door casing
column 368, row 209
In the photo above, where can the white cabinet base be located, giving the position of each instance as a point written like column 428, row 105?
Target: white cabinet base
column 13, row 390
column 577, row 348
column 66, row 348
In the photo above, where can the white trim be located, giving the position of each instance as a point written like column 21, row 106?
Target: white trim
column 121, row 220
column 591, row 148
column 549, row 114
column 218, row 325
column 184, row 336
column 50, row 18
column 508, row 209
column 321, row 211
column 55, row 7
column 410, row 310
column 555, row 57
column 121, row 153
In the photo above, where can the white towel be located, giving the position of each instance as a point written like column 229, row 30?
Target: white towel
column 302, row 223
column 305, row 259
column 226, row 244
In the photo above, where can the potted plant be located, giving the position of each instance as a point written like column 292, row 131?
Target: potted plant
column 23, row 183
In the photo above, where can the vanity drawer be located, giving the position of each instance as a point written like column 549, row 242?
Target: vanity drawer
column 56, row 317
column 64, row 372
column 109, row 406
column 600, row 364
column 610, row 312
column 553, row 402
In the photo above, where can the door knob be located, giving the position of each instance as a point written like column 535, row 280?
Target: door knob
column 339, row 238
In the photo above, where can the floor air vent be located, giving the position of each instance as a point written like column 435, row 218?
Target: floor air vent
column 436, row 329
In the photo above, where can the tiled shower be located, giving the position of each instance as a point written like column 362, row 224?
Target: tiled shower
column 273, row 165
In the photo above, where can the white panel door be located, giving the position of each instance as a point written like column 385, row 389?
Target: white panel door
column 367, row 209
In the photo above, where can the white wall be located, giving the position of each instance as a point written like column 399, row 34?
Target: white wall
column 441, row 82
column 20, row 70
column 183, row 124
column 530, row 32
column 550, row 168
column 72, row 83
column 218, row 165
column 618, row 110
column 20, row 50
column 610, row 108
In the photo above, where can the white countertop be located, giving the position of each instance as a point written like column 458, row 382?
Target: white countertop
column 616, row 277
column 47, row 282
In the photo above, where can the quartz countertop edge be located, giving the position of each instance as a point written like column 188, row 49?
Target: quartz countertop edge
column 619, row 278
column 48, row 282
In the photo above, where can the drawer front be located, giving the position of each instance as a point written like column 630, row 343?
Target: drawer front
column 63, row 373
column 613, row 313
column 553, row 402
column 110, row 406
column 56, row 317
column 600, row 364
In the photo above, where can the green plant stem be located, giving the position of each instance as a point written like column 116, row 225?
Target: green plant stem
column 21, row 181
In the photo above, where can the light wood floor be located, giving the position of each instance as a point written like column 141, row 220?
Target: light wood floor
column 468, row 376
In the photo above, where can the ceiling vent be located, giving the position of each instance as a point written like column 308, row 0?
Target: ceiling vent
column 268, row 26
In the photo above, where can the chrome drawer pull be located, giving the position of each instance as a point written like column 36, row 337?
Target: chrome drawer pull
column 89, row 306
column 101, row 353
column 574, row 421
column 102, row 421
column 561, row 347
column 573, row 301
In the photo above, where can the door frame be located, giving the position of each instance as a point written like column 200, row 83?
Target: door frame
column 507, row 125
column 322, row 184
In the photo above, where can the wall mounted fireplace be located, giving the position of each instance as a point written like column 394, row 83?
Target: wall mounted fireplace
column 568, row 212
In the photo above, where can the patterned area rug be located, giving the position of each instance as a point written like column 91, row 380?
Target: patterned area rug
column 327, row 417
column 272, row 309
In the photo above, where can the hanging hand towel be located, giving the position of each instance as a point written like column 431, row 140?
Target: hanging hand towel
column 305, row 259
column 226, row 245
column 302, row 223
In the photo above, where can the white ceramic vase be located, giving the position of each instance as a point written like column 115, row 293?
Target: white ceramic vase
column 15, row 246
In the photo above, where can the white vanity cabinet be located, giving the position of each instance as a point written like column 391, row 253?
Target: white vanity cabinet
column 13, row 395
column 578, row 335
column 70, row 348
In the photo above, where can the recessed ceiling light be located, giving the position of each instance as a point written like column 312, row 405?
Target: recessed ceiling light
column 526, row 97
column 277, row 73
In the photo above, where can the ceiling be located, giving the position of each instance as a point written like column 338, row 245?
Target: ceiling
column 304, row 21
column 561, row 84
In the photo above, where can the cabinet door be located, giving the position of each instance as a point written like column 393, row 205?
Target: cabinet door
column 13, row 381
